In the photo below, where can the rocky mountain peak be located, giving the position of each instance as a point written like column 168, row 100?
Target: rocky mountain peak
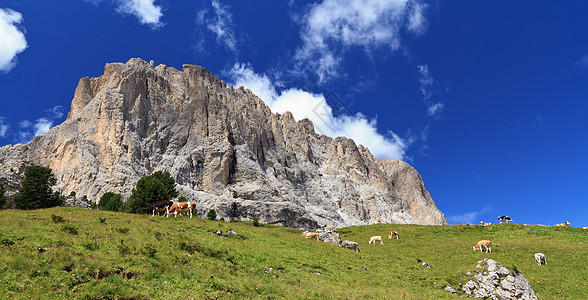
column 225, row 149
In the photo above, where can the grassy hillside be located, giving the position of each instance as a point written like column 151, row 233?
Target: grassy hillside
column 117, row 255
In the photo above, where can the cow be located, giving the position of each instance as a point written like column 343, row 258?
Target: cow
column 310, row 235
column 350, row 245
column 584, row 227
column 162, row 205
column 182, row 207
column 374, row 239
column 504, row 219
column 540, row 258
column 484, row 243
column 393, row 233
column 566, row 223
column 485, row 224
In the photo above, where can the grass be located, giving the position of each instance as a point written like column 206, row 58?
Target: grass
column 140, row 256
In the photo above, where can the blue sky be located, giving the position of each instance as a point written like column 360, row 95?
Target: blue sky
column 487, row 100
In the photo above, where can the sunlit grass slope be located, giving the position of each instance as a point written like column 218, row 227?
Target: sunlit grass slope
column 101, row 255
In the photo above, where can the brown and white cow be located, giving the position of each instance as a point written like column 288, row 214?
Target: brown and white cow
column 393, row 233
column 310, row 235
column 566, row 223
column 350, row 245
column 162, row 205
column 182, row 207
column 484, row 243
column 376, row 238
column 485, row 223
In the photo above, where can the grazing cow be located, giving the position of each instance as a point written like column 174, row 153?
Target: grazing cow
column 350, row 245
column 182, row 207
column 393, row 233
column 566, row 223
column 584, row 227
column 162, row 205
column 310, row 235
column 540, row 258
column 376, row 238
column 504, row 219
column 485, row 224
column 484, row 243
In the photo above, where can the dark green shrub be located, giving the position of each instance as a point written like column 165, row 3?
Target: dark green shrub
column 255, row 222
column 111, row 202
column 69, row 229
column 155, row 187
column 36, row 189
column 57, row 219
column 2, row 198
column 211, row 215
column 122, row 230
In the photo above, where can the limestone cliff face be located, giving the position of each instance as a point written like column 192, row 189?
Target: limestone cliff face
column 225, row 149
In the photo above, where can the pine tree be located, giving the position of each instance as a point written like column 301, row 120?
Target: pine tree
column 36, row 189
column 155, row 187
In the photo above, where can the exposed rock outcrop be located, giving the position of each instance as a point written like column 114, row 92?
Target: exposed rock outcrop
column 493, row 281
column 225, row 149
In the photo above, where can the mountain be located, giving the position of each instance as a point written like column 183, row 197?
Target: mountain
column 225, row 149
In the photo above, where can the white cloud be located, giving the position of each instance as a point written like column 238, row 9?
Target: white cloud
column 583, row 62
column 147, row 12
column 42, row 126
column 220, row 24
column 12, row 39
column 3, row 128
column 314, row 107
column 29, row 130
column 426, row 81
column 469, row 217
column 332, row 26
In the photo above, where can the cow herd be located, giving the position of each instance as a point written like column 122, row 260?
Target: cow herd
column 539, row 257
column 483, row 245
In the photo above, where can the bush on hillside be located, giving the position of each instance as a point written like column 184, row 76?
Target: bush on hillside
column 36, row 189
column 2, row 198
column 211, row 215
column 111, row 202
column 155, row 187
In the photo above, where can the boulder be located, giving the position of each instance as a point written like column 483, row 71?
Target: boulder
column 493, row 281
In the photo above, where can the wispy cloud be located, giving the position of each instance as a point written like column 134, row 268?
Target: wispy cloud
column 426, row 80
column 145, row 10
column 3, row 128
column 12, row 39
column 28, row 130
column 219, row 22
column 582, row 62
column 333, row 26
column 470, row 217
column 326, row 119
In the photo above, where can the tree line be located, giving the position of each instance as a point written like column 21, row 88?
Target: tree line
column 36, row 191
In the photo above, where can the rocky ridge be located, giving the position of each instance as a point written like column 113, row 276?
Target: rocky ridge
column 225, row 149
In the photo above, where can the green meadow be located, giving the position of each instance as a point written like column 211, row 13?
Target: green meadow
column 76, row 253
